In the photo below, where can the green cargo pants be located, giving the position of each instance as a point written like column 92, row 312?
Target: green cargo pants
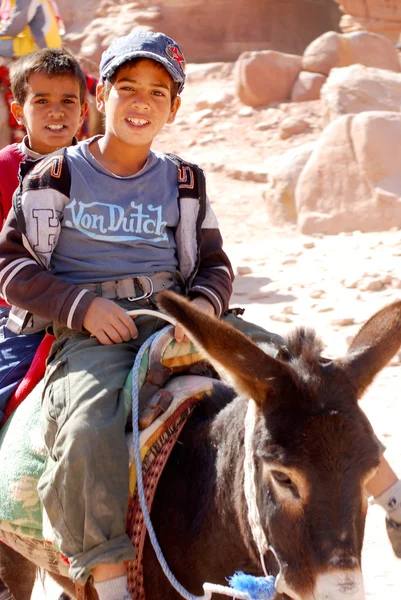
column 84, row 490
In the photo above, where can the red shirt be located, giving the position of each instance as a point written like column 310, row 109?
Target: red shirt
column 10, row 159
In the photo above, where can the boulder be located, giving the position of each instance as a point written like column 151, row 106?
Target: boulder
column 282, row 175
column 322, row 54
column 352, row 180
column 357, row 88
column 307, row 87
column 333, row 50
column 265, row 77
column 292, row 126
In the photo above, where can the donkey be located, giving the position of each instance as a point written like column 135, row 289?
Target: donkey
column 295, row 423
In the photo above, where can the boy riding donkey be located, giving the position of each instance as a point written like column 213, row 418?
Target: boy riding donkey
column 97, row 229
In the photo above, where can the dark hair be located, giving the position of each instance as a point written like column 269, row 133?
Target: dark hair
column 50, row 62
column 131, row 63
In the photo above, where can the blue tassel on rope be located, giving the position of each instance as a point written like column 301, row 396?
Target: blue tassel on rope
column 258, row 588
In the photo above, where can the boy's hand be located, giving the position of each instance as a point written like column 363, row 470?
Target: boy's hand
column 202, row 303
column 108, row 322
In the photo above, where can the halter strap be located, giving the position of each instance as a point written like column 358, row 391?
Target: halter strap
column 250, row 485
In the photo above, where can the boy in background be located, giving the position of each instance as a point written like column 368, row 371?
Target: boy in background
column 49, row 90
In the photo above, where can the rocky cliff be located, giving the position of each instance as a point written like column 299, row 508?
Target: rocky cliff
column 378, row 16
column 207, row 31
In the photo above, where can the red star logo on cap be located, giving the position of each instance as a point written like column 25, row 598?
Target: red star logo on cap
column 177, row 56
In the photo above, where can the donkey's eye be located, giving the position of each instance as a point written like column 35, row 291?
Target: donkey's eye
column 282, row 478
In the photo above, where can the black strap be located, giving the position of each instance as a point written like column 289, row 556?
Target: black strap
column 191, row 180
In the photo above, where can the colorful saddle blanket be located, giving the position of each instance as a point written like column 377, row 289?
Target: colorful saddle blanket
column 23, row 455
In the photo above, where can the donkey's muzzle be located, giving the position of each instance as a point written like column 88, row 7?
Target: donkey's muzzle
column 333, row 585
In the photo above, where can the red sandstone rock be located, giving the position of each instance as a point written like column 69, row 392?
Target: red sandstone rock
column 378, row 16
column 307, row 87
column 265, row 77
column 356, row 88
column 333, row 49
column 365, row 149
column 207, row 31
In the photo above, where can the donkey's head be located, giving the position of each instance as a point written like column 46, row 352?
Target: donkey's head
column 313, row 449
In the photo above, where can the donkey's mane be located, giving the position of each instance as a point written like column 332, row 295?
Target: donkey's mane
column 302, row 350
column 303, row 343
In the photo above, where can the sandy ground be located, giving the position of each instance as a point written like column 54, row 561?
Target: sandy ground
column 285, row 279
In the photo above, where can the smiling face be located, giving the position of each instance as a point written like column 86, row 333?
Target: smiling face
column 137, row 105
column 52, row 112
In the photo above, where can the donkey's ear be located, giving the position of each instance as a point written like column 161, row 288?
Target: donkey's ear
column 250, row 370
column 373, row 346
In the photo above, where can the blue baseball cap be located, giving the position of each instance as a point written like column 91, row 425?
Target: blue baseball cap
column 144, row 44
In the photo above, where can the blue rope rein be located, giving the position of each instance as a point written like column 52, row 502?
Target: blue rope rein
column 209, row 588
